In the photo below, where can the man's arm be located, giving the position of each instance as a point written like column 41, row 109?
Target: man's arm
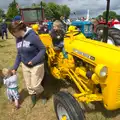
column 42, row 50
column 17, row 61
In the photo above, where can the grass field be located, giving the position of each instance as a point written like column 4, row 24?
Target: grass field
column 40, row 111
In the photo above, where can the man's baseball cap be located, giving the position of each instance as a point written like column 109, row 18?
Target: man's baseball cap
column 17, row 18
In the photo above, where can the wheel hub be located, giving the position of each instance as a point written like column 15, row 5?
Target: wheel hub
column 62, row 113
column 64, row 118
column 100, row 32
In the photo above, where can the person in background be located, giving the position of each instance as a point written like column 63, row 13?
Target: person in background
column 62, row 20
column 45, row 20
column 31, row 53
column 4, row 29
column 10, row 81
column 43, row 28
column 17, row 18
column 53, row 19
column 102, row 19
column 50, row 23
column 115, row 20
column 68, row 23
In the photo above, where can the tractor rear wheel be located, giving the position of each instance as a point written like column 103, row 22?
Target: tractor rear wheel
column 99, row 29
column 67, row 108
column 113, row 36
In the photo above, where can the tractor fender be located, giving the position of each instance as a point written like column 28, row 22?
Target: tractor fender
column 117, row 26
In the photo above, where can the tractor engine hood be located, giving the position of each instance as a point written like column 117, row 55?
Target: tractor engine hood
column 94, row 52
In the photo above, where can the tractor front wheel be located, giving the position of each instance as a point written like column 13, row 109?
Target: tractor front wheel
column 67, row 108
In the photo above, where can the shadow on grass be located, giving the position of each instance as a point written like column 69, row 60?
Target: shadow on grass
column 52, row 85
column 1, row 78
column 5, row 45
column 6, row 39
column 1, row 82
column 98, row 107
column 2, row 41
column 23, row 95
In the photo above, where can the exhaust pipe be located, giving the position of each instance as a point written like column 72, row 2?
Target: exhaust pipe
column 105, row 34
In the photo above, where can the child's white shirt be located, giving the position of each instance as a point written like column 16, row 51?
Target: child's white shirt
column 11, row 82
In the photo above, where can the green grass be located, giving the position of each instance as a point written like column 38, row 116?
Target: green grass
column 40, row 111
column 7, row 112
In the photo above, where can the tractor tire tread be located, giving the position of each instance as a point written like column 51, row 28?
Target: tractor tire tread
column 71, row 105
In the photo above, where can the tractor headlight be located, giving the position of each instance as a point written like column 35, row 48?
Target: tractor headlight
column 101, row 70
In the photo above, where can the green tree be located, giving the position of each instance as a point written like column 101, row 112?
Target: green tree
column 34, row 5
column 12, row 10
column 118, row 17
column 53, row 10
column 1, row 13
column 47, row 11
column 112, row 14
column 99, row 16
column 65, row 10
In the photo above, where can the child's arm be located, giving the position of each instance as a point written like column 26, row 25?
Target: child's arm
column 17, row 61
column 6, row 82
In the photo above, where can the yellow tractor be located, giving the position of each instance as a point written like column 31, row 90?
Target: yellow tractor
column 93, row 66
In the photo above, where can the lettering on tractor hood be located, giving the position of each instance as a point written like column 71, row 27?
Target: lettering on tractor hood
column 84, row 54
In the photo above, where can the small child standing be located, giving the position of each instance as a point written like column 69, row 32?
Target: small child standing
column 10, row 81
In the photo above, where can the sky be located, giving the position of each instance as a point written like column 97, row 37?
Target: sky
column 96, row 7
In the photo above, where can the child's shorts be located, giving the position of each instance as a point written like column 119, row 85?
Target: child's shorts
column 13, row 94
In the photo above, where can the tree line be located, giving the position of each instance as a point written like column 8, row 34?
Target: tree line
column 112, row 15
column 51, row 10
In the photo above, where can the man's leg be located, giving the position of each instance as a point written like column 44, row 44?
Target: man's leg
column 6, row 34
column 2, row 35
column 30, row 79
column 37, row 74
column 27, row 78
